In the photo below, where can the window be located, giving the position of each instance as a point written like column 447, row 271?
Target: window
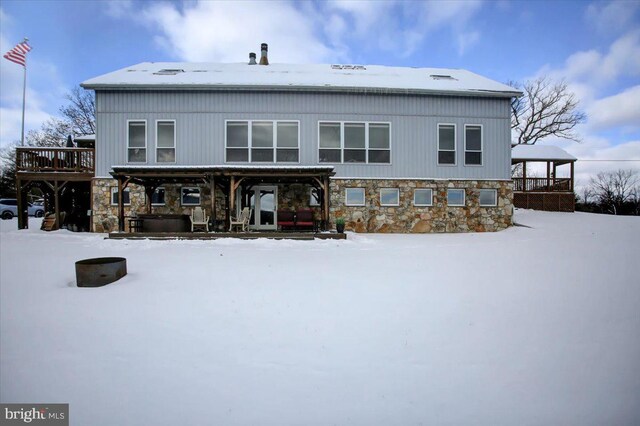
column 262, row 141
column 137, row 141
column 389, row 197
column 126, row 199
column 423, row 197
column 473, row 145
column 314, row 197
column 166, row 141
column 354, row 196
column 447, row 144
column 157, row 198
column 190, row 196
column 347, row 142
column 488, row 197
column 455, row 197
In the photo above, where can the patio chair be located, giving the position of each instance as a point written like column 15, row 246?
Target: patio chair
column 242, row 220
column 304, row 219
column 286, row 219
column 199, row 219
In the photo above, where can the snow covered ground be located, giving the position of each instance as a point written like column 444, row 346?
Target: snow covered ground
column 536, row 326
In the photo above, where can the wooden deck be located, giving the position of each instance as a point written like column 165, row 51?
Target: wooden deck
column 217, row 235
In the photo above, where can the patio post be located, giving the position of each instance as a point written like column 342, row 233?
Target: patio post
column 325, row 193
column 120, row 205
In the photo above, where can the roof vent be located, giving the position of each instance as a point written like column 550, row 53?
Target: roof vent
column 168, row 72
column 252, row 59
column 263, row 54
column 442, row 77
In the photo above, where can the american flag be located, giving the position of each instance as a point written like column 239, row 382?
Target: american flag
column 19, row 53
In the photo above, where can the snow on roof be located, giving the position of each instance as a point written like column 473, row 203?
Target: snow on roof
column 308, row 77
column 540, row 153
column 85, row 138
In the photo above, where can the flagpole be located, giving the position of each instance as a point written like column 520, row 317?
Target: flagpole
column 24, row 94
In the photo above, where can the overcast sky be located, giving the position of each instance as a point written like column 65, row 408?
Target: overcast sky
column 594, row 46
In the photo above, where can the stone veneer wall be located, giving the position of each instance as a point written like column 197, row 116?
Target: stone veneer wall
column 407, row 218
column 105, row 215
column 404, row 218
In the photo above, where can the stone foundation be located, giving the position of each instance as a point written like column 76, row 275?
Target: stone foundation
column 407, row 218
column 404, row 218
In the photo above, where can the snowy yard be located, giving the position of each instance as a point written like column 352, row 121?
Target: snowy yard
column 536, row 326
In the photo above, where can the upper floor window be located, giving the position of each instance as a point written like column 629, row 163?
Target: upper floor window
column 166, row 141
column 447, row 144
column 262, row 141
column 473, row 145
column 352, row 142
column 137, row 141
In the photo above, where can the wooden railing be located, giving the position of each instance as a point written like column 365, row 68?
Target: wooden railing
column 43, row 160
column 542, row 184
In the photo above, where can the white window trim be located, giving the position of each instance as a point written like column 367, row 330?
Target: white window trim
column 390, row 189
column 311, row 203
column 114, row 190
column 481, row 151
column 182, row 198
column 165, row 196
column 175, row 150
column 364, row 198
column 366, row 142
column 250, row 137
column 146, row 143
column 430, row 198
column 455, row 145
column 464, row 197
column 495, row 191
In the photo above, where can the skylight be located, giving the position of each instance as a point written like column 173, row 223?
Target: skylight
column 348, row 67
column 441, row 77
column 168, row 72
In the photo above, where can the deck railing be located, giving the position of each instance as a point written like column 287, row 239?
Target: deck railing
column 44, row 160
column 542, row 184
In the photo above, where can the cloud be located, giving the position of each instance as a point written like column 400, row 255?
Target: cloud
column 622, row 109
column 467, row 40
column 227, row 31
column 613, row 17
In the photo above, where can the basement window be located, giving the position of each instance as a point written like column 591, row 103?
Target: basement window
column 126, row 199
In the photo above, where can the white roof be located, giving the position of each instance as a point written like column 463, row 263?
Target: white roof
column 540, row 153
column 85, row 138
column 222, row 166
column 310, row 77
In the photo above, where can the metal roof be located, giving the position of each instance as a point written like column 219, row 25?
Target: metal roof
column 299, row 77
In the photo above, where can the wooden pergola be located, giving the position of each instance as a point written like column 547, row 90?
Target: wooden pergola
column 550, row 192
column 226, row 178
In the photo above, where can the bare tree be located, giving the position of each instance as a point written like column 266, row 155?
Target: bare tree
column 546, row 109
column 614, row 189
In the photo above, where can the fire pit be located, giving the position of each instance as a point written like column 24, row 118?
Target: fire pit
column 100, row 271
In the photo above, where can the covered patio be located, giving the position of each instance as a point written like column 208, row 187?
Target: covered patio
column 229, row 190
column 549, row 192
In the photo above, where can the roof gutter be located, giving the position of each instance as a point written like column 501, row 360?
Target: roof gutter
column 307, row 89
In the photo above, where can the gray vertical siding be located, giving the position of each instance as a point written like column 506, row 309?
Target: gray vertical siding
column 200, row 118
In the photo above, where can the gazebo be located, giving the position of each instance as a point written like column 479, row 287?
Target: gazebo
column 550, row 193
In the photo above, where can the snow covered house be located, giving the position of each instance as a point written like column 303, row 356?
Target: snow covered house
column 388, row 149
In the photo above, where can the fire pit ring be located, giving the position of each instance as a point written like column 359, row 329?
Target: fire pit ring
column 100, row 271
